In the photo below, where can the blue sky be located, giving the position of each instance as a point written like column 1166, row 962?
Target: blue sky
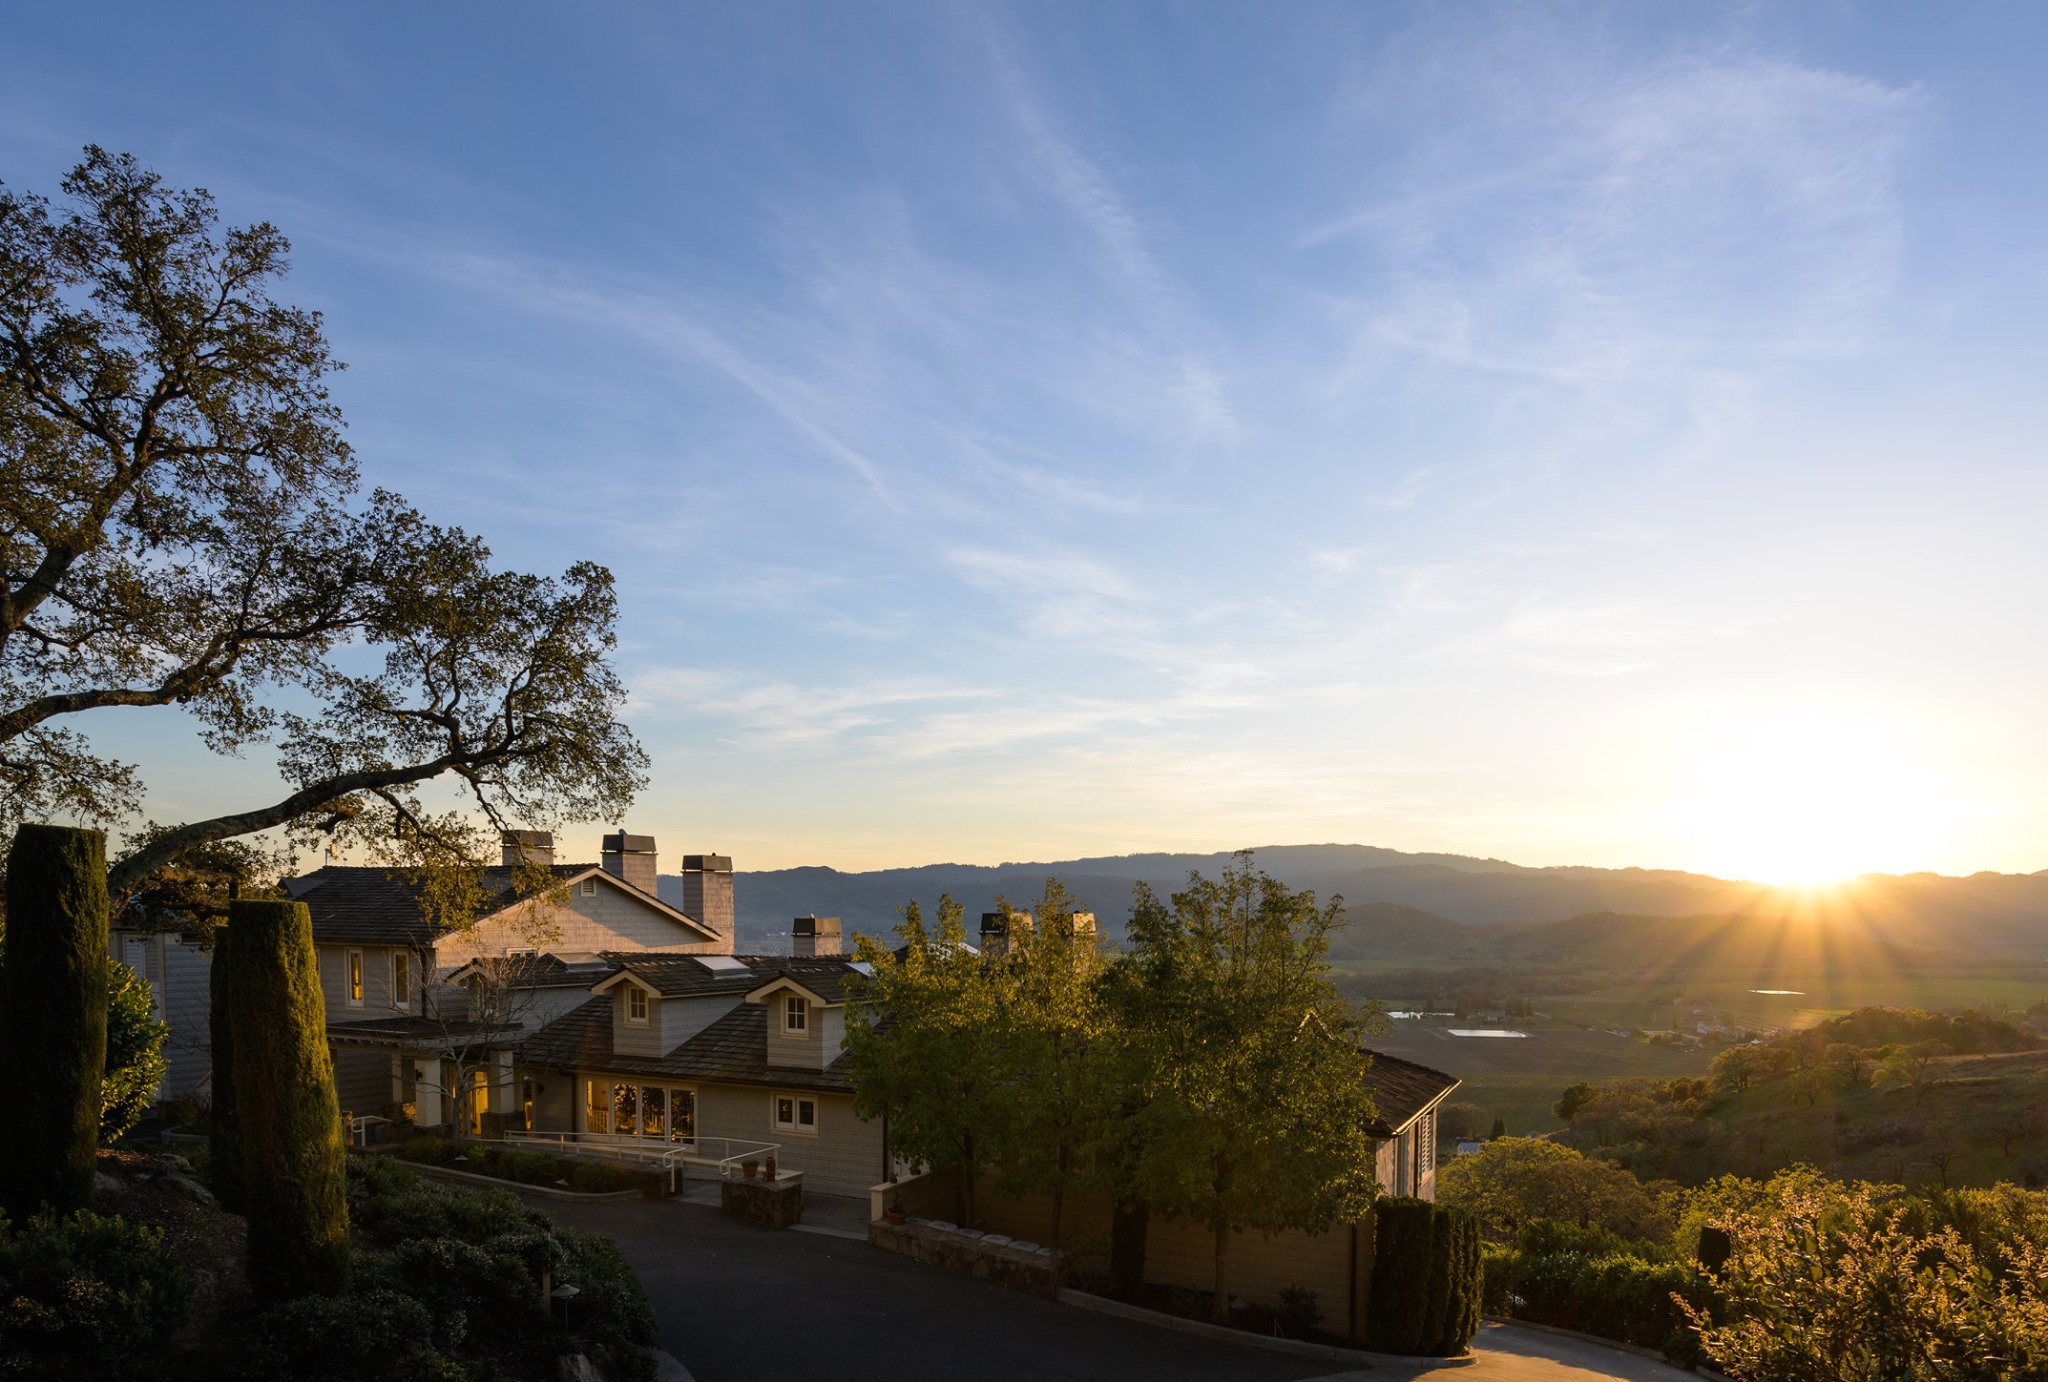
column 1578, row 434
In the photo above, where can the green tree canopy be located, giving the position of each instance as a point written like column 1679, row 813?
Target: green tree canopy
column 183, row 527
column 1513, row 1181
column 925, row 1043
column 1253, row 1107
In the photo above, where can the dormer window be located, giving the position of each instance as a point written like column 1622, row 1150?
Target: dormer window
column 796, row 1016
column 636, row 1007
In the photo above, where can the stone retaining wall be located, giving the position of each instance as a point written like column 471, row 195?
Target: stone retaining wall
column 990, row 1256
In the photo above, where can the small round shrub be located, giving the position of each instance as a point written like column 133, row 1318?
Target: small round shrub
column 85, row 1291
column 135, row 1053
column 598, row 1178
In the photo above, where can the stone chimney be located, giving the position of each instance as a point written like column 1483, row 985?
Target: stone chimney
column 814, row 936
column 1002, row 932
column 707, row 893
column 528, row 846
column 630, row 858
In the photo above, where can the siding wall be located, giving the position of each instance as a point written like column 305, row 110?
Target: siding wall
column 377, row 994
column 630, row 1039
column 362, row 1082
column 800, row 1051
column 178, row 980
column 608, row 919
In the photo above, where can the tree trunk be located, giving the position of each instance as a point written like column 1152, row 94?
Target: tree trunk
column 1220, row 1311
column 224, row 1167
column 1129, row 1223
column 53, row 1018
column 292, row 1157
column 1059, row 1194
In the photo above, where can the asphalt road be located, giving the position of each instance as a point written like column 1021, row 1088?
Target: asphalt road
column 742, row 1303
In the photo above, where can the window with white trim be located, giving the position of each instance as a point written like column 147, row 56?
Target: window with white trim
column 355, row 978
column 401, row 979
column 636, row 1006
column 796, row 1016
column 796, row 1113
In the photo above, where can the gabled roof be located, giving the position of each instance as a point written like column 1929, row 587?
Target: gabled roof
column 732, row 1050
column 378, row 906
column 822, row 979
column 1403, row 1091
column 544, row 971
column 680, row 976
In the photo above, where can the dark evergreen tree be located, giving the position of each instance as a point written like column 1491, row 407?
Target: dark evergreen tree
column 225, row 1164
column 1396, row 1310
column 293, row 1178
column 53, row 1017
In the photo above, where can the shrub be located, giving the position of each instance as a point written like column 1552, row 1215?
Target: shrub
column 373, row 1333
column 85, row 1291
column 1616, row 1296
column 426, row 1149
column 1400, row 1276
column 135, row 1053
column 612, row 1306
column 598, row 1178
column 528, row 1168
column 53, row 1017
column 1299, row 1311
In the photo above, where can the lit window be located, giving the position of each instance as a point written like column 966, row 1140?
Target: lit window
column 796, row 1015
column 355, row 978
column 796, row 1113
column 636, row 1006
column 401, row 979
column 598, row 1108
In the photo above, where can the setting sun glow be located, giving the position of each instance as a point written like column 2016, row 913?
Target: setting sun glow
column 1802, row 801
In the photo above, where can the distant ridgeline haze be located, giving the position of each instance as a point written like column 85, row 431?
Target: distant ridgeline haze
column 1448, row 907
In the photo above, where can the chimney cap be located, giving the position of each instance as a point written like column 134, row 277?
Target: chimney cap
column 619, row 842
column 707, row 863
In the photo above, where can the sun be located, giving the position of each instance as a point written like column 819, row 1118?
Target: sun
column 1806, row 800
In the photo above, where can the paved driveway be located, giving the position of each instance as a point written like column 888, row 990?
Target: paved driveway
column 742, row 1303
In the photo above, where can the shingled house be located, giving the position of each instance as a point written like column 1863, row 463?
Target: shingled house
column 1407, row 1097
column 714, row 1052
column 403, row 1014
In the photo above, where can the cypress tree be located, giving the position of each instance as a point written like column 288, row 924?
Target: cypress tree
column 1462, row 1281
column 1400, row 1276
column 225, row 1163
column 53, row 1017
column 293, row 1181
column 1436, row 1302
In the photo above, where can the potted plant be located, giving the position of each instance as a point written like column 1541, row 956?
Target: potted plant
column 894, row 1213
column 748, row 1168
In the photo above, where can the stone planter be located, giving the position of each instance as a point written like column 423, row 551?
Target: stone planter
column 992, row 1257
column 776, row 1203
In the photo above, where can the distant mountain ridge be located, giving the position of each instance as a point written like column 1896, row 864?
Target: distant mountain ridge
column 1492, row 899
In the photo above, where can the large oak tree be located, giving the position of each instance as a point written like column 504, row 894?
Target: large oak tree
column 182, row 524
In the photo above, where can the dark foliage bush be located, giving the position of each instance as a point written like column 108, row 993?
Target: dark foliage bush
column 53, row 1018
column 370, row 1333
column 1426, row 1279
column 1299, row 1311
column 528, row 1168
column 476, row 1258
column 427, row 1149
column 596, row 1178
column 85, row 1293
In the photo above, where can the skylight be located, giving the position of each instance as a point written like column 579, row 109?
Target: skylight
column 723, row 964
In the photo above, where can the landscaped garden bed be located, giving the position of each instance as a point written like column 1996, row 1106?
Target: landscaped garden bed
column 445, row 1284
column 521, row 1167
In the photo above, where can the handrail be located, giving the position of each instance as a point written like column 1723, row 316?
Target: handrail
column 627, row 1147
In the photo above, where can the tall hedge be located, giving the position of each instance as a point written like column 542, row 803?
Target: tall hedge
column 1426, row 1280
column 293, row 1175
column 224, row 1166
column 53, row 1017
column 1399, row 1303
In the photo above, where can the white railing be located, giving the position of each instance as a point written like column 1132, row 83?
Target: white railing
column 728, row 1154
column 359, row 1128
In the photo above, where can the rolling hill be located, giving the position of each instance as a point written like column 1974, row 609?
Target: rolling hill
column 1450, row 906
